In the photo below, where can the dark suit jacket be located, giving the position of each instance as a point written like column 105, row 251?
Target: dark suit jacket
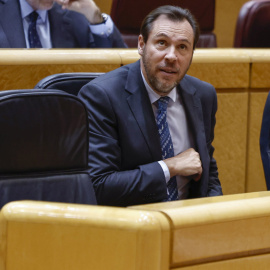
column 264, row 141
column 124, row 141
column 68, row 29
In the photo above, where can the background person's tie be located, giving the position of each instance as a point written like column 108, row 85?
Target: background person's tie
column 166, row 143
column 34, row 41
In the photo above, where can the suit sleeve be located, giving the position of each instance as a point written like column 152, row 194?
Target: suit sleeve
column 214, row 186
column 115, row 185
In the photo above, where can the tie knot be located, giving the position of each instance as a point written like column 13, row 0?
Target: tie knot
column 163, row 103
column 33, row 17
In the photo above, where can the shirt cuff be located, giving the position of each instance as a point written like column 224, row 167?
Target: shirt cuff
column 102, row 29
column 165, row 170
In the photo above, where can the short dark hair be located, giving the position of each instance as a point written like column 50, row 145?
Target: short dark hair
column 173, row 13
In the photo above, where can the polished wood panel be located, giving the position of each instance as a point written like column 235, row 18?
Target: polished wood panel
column 255, row 180
column 225, row 232
column 259, row 88
column 218, row 229
column 22, row 69
column 40, row 235
column 246, row 263
column 27, row 76
column 260, row 75
column 223, row 68
column 231, row 139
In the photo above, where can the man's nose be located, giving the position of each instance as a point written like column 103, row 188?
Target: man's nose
column 171, row 54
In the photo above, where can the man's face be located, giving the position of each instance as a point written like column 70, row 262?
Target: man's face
column 167, row 54
column 40, row 4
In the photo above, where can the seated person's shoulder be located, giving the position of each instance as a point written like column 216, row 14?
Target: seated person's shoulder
column 202, row 86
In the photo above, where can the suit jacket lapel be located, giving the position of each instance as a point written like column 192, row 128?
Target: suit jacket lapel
column 11, row 26
column 60, row 27
column 141, row 108
column 194, row 113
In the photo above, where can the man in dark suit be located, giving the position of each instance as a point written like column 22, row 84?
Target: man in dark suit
column 128, row 159
column 60, row 24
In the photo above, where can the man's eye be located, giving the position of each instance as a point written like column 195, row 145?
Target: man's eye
column 161, row 42
column 182, row 46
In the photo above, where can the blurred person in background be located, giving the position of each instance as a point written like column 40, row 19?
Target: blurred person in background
column 56, row 24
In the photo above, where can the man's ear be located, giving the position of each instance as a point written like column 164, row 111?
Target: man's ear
column 141, row 45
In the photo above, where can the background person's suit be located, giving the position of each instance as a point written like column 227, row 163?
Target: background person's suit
column 69, row 29
column 124, row 141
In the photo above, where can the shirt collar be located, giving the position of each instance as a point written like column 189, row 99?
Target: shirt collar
column 26, row 9
column 153, row 95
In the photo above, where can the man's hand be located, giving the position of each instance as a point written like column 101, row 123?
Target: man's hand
column 187, row 164
column 86, row 7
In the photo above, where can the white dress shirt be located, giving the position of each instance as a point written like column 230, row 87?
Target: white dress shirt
column 179, row 130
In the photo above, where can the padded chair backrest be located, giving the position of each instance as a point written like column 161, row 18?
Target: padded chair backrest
column 253, row 25
column 129, row 14
column 68, row 82
column 265, row 141
column 44, row 147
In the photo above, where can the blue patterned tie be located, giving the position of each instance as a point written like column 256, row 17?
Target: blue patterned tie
column 166, row 143
column 34, row 41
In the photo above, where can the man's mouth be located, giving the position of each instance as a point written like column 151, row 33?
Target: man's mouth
column 169, row 70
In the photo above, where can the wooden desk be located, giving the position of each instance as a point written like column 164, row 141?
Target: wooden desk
column 229, row 232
